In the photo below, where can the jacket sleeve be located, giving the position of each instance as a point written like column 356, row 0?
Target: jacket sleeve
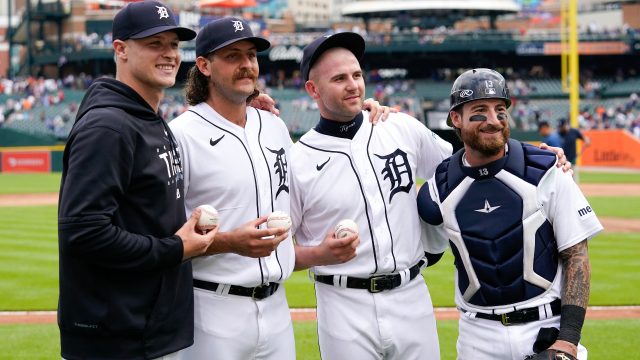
column 99, row 162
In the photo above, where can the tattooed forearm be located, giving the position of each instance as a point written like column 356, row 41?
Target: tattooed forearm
column 577, row 273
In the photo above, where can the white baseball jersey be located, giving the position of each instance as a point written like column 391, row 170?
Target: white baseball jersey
column 243, row 173
column 371, row 180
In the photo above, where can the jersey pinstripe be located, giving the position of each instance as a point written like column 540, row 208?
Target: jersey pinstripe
column 249, row 178
column 370, row 179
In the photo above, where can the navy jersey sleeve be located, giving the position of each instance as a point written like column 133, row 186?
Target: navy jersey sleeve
column 428, row 209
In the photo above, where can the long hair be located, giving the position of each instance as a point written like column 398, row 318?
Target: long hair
column 197, row 86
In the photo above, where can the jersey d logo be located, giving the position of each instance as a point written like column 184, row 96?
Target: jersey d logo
column 280, row 165
column 397, row 171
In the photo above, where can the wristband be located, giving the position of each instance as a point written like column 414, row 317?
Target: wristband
column 571, row 321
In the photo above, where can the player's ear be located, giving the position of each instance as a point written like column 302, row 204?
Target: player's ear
column 456, row 118
column 120, row 49
column 203, row 65
column 311, row 88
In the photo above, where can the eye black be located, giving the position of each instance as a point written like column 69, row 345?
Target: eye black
column 477, row 118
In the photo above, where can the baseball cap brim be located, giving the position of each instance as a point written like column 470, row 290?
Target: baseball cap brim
column 348, row 40
column 260, row 43
column 183, row 33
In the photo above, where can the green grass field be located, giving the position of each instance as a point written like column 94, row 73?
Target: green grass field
column 29, row 276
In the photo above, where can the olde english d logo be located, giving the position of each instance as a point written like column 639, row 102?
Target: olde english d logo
column 397, row 171
column 280, row 166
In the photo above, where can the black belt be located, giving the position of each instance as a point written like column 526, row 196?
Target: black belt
column 256, row 293
column 374, row 284
column 521, row 316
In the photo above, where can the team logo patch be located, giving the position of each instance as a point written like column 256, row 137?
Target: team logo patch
column 281, row 169
column 162, row 12
column 397, row 171
column 237, row 25
column 466, row 93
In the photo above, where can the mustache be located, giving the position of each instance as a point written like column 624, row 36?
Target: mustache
column 493, row 128
column 245, row 73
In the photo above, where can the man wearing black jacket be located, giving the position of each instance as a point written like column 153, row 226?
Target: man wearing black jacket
column 125, row 280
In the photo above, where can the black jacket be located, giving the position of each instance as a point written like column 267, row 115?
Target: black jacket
column 124, row 291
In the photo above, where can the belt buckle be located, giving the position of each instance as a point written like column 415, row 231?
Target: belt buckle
column 374, row 286
column 504, row 319
column 253, row 293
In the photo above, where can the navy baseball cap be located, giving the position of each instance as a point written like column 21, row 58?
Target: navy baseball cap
column 348, row 40
column 142, row 19
column 222, row 32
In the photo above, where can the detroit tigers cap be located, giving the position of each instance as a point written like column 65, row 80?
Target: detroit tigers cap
column 348, row 40
column 138, row 20
column 222, row 32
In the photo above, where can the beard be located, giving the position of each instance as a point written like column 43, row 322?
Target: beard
column 487, row 147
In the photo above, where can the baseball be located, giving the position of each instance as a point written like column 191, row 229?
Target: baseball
column 279, row 219
column 208, row 217
column 345, row 228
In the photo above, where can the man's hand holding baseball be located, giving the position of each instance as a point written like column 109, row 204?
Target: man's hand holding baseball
column 329, row 252
column 193, row 242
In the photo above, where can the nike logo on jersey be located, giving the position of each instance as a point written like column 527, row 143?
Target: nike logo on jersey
column 319, row 167
column 215, row 142
column 487, row 207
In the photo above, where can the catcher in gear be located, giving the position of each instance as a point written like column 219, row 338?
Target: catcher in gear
column 518, row 227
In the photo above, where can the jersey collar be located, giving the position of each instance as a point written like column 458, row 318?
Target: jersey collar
column 346, row 130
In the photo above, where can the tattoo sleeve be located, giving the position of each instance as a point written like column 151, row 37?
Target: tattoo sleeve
column 577, row 273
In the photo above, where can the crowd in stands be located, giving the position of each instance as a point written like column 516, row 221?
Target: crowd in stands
column 45, row 101
column 31, row 98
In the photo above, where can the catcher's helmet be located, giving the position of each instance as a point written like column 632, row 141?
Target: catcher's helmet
column 478, row 84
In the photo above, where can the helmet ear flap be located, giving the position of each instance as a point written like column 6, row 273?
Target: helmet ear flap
column 478, row 84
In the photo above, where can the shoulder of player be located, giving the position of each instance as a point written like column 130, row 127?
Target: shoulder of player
column 266, row 117
column 179, row 124
column 399, row 117
column 112, row 118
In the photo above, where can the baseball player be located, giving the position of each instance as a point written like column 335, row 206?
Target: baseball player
column 125, row 279
column 377, row 305
column 518, row 228
column 235, row 158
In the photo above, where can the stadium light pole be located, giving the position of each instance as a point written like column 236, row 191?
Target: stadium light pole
column 10, row 38
column 574, row 74
column 570, row 61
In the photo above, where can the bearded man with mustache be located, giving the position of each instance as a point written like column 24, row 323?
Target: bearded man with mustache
column 518, row 227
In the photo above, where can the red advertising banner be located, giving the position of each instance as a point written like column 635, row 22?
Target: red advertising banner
column 26, row 161
column 590, row 48
column 611, row 148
